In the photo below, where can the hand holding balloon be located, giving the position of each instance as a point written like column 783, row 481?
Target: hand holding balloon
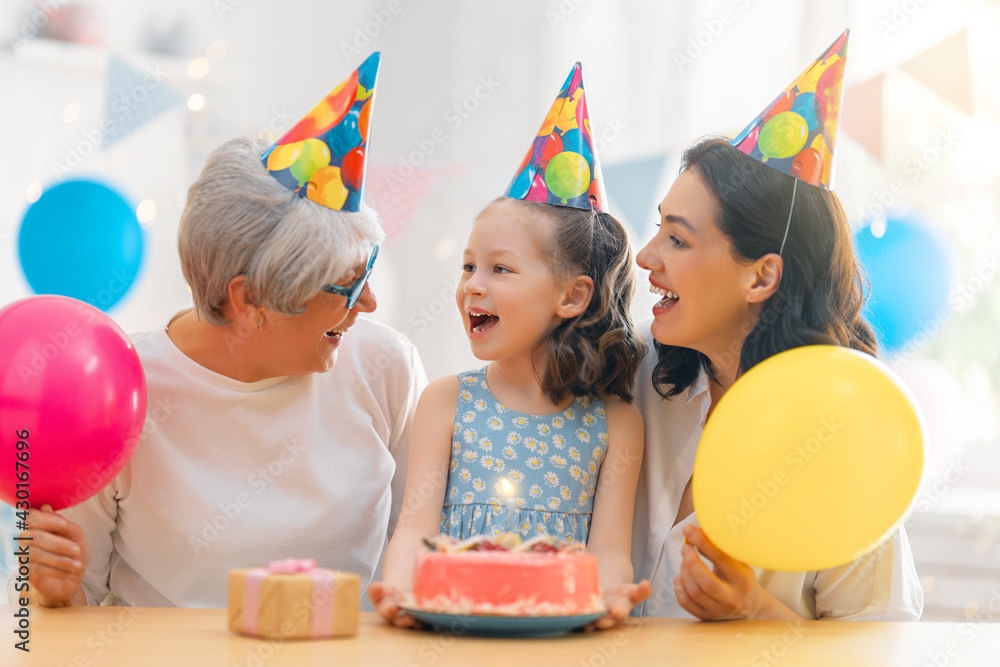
column 59, row 557
column 730, row 592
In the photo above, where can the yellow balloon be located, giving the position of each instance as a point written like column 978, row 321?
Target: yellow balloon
column 283, row 156
column 808, row 460
column 327, row 188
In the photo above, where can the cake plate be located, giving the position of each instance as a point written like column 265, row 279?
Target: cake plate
column 503, row 626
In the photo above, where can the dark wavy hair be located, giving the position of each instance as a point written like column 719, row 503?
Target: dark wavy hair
column 597, row 352
column 821, row 293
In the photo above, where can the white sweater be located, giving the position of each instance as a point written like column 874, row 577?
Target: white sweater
column 230, row 474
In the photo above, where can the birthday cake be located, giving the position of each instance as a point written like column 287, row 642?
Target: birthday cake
column 503, row 576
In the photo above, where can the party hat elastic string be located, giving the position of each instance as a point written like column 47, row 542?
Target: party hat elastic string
column 788, row 224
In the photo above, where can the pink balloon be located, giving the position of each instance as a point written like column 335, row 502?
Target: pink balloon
column 539, row 191
column 72, row 401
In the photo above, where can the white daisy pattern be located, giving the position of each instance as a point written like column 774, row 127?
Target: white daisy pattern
column 557, row 457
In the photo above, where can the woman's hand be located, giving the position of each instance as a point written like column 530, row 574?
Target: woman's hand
column 619, row 602
column 387, row 599
column 730, row 592
column 59, row 558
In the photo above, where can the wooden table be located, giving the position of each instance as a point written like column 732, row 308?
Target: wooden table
column 148, row 637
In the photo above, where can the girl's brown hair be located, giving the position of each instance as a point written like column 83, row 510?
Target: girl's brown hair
column 597, row 352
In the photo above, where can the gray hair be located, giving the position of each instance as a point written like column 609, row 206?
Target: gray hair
column 239, row 220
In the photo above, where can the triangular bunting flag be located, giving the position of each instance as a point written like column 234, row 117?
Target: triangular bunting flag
column 397, row 196
column 632, row 187
column 863, row 121
column 134, row 98
column 945, row 70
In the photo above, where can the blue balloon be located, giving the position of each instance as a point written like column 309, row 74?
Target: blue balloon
column 805, row 106
column 575, row 142
column 522, row 183
column 345, row 136
column 911, row 268
column 81, row 240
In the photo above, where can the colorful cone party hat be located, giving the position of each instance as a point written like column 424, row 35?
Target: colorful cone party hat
column 561, row 166
column 797, row 133
column 324, row 157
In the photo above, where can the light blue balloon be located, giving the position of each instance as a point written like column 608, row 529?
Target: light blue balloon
column 805, row 106
column 81, row 239
column 912, row 267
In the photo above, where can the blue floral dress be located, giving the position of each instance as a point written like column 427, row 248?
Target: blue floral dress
column 529, row 474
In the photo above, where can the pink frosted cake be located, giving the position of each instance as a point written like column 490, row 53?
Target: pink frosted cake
column 502, row 576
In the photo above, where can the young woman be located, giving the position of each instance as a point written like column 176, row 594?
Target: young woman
column 732, row 296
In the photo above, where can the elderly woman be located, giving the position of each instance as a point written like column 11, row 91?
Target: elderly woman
column 270, row 433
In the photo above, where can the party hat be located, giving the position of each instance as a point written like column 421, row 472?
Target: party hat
column 797, row 132
column 561, row 166
column 324, row 156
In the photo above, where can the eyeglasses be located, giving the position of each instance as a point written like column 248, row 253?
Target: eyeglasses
column 353, row 293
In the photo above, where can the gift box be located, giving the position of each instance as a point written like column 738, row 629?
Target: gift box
column 293, row 599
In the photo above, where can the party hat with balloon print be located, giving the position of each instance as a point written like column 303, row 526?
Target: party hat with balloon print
column 324, row 156
column 561, row 165
column 797, row 133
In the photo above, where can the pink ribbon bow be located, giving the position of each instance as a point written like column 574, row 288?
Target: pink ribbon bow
column 291, row 565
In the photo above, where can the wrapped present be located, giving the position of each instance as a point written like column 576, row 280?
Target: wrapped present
column 293, row 599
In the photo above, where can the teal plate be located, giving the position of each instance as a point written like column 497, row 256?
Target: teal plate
column 503, row 626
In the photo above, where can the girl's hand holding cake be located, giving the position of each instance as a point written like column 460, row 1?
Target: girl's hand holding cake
column 387, row 599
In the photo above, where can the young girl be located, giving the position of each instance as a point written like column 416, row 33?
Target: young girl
column 543, row 439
